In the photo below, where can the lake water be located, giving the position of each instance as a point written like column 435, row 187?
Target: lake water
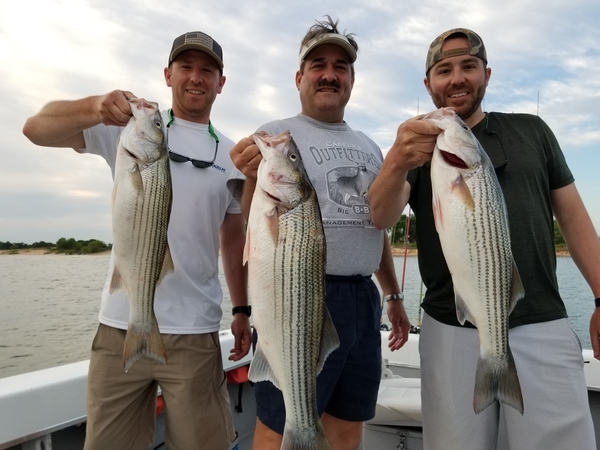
column 49, row 306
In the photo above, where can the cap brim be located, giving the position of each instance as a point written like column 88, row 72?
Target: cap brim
column 201, row 48
column 330, row 38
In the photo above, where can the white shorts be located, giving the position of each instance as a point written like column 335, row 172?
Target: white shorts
column 550, row 368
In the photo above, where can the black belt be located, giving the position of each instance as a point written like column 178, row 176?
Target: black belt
column 347, row 278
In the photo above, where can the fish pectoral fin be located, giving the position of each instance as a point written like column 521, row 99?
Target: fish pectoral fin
column 461, row 191
column 260, row 369
column 273, row 225
column 136, row 180
column 329, row 339
column 517, row 291
column 462, row 312
column 115, row 281
column 167, row 265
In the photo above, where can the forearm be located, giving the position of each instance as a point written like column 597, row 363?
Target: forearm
column 388, row 195
column 579, row 234
column 60, row 123
column 386, row 274
column 584, row 247
column 232, row 239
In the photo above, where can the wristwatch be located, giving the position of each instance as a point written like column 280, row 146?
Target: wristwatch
column 399, row 296
column 242, row 309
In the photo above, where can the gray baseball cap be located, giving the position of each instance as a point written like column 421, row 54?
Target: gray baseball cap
column 196, row 40
column 435, row 54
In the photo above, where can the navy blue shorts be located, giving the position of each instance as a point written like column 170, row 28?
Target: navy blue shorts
column 348, row 384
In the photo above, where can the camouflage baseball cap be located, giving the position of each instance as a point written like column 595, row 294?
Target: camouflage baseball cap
column 435, row 54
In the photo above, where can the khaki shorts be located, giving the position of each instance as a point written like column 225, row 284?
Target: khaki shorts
column 121, row 405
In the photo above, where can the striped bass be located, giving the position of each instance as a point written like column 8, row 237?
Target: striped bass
column 472, row 223
column 285, row 251
column 141, row 206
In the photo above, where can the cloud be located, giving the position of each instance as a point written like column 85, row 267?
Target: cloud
column 70, row 49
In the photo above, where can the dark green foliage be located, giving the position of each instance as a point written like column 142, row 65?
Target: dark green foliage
column 63, row 245
column 558, row 239
column 398, row 232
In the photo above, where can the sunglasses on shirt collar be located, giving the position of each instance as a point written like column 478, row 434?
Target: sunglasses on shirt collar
column 176, row 157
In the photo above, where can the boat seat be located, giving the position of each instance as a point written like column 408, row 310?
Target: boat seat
column 398, row 403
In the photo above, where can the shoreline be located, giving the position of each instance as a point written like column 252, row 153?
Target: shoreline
column 44, row 251
column 396, row 251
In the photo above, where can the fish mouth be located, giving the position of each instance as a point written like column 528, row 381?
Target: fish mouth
column 453, row 160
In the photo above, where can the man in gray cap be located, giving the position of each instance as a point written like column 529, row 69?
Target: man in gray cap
column 348, row 384
column 204, row 216
column 536, row 184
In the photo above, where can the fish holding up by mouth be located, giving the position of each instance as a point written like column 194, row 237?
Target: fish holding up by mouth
column 471, row 220
column 285, row 251
column 141, row 207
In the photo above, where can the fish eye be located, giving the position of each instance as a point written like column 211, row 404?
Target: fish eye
column 465, row 127
column 158, row 124
column 294, row 157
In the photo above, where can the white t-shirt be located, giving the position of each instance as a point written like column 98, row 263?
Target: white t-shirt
column 188, row 301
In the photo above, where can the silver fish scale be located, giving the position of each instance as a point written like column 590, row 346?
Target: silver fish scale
column 150, row 220
column 299, row 284
column 493, row 255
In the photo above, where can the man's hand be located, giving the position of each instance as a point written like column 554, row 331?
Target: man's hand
column 400, row 324
column 246, row 156
column 240, row 327
column 114, row 108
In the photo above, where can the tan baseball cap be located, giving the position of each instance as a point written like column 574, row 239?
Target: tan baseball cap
column 328, row 38
column 435, row 54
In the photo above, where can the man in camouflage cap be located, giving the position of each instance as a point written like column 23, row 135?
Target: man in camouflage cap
column 537, row 184
column 475, row 47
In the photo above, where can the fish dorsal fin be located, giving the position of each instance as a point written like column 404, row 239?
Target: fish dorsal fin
column 273, row 225
column 260, row 369
column 462, row 312
column 461, row 191
column 167, row 265
column 329, row 339
column 517, row 291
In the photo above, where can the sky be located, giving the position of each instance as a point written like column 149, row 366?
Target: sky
column 544, row 56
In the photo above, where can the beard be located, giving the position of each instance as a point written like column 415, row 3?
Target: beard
column 463, row 110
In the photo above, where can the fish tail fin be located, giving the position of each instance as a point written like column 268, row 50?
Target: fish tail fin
column 509, row 388
column 308, row 439
column 141, row 342
column 497, row 380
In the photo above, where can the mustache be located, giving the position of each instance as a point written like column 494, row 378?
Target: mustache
column 325, row 83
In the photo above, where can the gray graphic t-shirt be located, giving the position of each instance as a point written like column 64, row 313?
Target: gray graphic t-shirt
column 341, row 164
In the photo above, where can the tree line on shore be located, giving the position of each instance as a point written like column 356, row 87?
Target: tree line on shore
column 398, row 237
column 63, row 245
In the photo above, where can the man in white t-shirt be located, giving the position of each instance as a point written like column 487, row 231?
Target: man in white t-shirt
column 204, row 219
